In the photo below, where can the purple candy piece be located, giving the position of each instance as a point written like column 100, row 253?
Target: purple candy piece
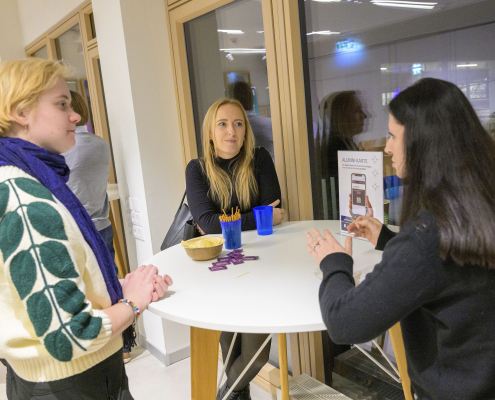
column 223, row 258
column 251, row 258
column 217, row 268
column 220, row 263
column 236, row 262
column 235, row 252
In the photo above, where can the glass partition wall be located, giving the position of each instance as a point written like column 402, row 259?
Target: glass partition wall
column 69, row 47
column 360, row 54
column 227, row 58
column 41, row 53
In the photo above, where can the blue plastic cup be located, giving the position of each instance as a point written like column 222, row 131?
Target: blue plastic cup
column 231, row 232
column 264, row 220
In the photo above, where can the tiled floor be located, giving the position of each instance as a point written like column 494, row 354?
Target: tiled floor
column 150, row 379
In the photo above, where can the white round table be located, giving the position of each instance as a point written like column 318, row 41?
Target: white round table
column 278, row 293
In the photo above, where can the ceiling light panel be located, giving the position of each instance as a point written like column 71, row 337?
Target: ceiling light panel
column 405, row 4
column 241, row 50
column 323, row 33
column 231, row 31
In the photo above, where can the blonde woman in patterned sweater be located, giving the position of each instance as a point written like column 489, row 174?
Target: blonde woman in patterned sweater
column 63, row 326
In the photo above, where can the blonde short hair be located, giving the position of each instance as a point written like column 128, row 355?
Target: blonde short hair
column 79, row 106
column 21, row 84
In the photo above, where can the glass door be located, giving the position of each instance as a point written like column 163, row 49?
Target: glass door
column 41, row 53
column 227, row 55
column 102, row 126
column 227, row 59
column 69, row 46
column 361, row 54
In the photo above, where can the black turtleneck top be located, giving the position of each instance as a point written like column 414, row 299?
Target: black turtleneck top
column 206, row 211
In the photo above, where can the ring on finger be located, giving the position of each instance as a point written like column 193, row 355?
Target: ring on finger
column 314, row 247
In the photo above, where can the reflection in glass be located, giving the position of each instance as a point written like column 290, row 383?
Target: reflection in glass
column 341, row 118
column 106, row 119
column 69, row 48
column 227, row 58
column 41, row 53
column 376, row 52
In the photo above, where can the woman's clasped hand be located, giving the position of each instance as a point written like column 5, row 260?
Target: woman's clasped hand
column 278, row 213
column 366, row 227
column 144, row 286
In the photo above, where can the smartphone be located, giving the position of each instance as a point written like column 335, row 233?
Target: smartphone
column 358, row 189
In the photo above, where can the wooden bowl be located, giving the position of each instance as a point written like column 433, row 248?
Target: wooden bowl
column 204, row 253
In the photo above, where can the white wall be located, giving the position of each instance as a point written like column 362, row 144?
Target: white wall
column 71, row 48
column 38, row 16
column 11, row 42
column 140, row 95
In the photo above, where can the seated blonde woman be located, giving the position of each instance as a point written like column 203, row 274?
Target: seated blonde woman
column 65, row 315
column 233, row 174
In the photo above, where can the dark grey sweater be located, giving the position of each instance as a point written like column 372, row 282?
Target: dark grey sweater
column 206, row 211
column 447, row 312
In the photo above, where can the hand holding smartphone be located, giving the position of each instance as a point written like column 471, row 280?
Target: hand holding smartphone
column 358, row 194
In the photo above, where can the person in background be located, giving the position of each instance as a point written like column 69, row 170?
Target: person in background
column 65, row 314
column 233, row 174
column 437, row 275
column 260, row 125
column 89, row 164
column 341, row 117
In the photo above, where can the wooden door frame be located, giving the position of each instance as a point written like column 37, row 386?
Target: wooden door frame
column 43, row 42
column 178, row 16
column 290, row 136
column 81, row 16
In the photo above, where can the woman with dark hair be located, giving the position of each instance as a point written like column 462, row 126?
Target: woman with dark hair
column 437, row 276
column 341, row 117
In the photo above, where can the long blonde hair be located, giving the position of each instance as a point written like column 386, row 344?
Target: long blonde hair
column 243, row 182
column 21, row 84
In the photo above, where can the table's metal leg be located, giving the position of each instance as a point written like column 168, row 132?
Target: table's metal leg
column 204, row 363
column 284, row 368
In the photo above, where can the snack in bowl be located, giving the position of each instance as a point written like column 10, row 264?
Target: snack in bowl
column 203, row 248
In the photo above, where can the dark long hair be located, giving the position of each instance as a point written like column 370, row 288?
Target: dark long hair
column 449, row 169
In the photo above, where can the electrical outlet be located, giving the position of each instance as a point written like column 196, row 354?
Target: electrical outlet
column 135, row 204
column 129, row 219
column 138, row 232
column 136, row 218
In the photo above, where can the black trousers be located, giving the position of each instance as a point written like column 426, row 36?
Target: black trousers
column 106, row 381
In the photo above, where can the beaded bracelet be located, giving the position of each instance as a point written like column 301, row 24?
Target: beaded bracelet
column 134, row 307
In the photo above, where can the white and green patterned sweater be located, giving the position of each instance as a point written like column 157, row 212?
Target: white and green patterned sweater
column 51, row 287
